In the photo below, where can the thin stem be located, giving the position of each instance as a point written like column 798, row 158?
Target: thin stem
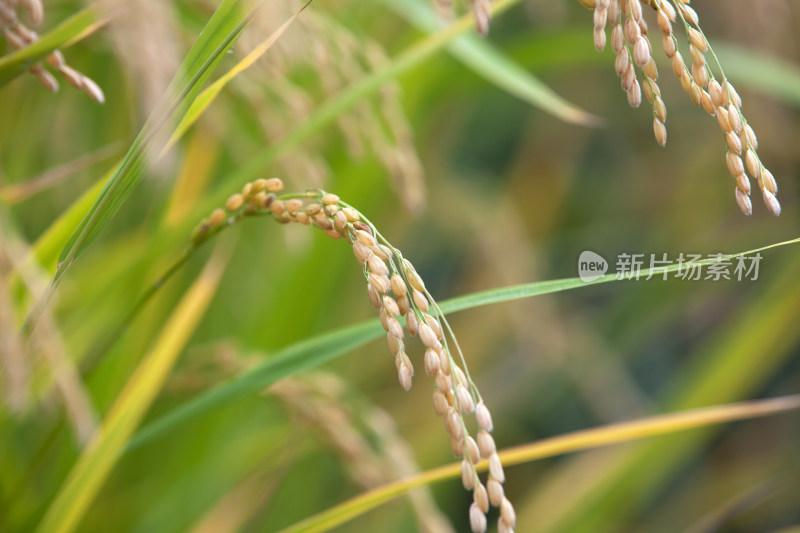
column 698, row 28
column 458, row 346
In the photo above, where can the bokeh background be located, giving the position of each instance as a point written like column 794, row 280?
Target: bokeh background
column 480, row 190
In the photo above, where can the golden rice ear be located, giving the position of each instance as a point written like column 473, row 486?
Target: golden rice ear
column 635, row 66
column 396, row 289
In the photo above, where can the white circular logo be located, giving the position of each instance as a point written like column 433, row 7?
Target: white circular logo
column 591, row 266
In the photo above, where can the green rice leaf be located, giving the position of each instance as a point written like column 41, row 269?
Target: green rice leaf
column 478, row 54
column 60, row 230
column 95, row 463
column 205, row 98
column 296, row 358
column 219, row 34
column 315, row 351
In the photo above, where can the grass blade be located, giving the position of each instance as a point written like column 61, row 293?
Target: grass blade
column 59, row 230
column 570, row 442
column 296, row 358
column 546, row 287
column 479, row 55
column 318, row 350
column 205, row 98
column 217, row 37
column 96, row 461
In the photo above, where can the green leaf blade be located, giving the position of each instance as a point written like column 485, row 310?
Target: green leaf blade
column 317, row 350
column 480, row 56
column 217, row 37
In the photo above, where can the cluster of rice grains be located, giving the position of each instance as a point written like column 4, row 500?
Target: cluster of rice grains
column 20, row 36
column 629, row 40
column 397, row 291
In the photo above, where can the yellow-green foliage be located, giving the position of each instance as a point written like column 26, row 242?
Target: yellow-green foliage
column 136, row 363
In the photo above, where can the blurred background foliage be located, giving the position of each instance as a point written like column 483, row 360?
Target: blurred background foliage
column 480, row 189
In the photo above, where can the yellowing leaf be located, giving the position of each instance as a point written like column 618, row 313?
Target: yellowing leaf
column 102, row 452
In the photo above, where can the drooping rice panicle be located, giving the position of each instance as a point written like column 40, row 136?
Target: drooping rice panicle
column 397, row 291
column 634, row 62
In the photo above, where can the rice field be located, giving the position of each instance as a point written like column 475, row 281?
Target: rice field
column 399, row 266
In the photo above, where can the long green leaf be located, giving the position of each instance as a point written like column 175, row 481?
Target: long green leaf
column 96, row 461
column 55, row 234
column 318, row 350
column 205, row 98
column 217, row 37
column 75, row 28
column 301, row 356
column 46, row 248
column 479, row 55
